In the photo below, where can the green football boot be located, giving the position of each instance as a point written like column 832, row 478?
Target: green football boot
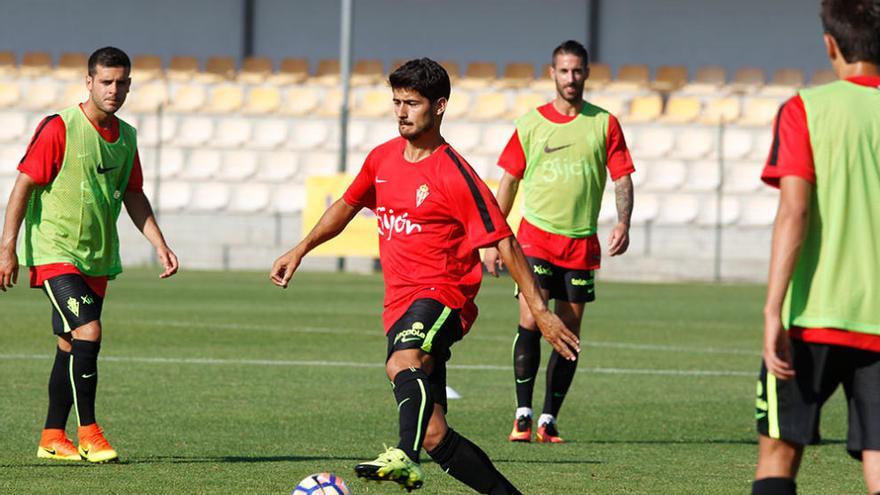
column 393, row 465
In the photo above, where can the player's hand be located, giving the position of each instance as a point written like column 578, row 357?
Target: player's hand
column 284, row 267
column 619, row 240
column 493, row 261
column 8, row 269
column 168, row 260
column 777, row 349
column 559, row 336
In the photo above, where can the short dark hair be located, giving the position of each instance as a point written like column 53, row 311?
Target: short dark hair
column 571, row 47
column 423, row 75
column 108, row 56
column 855, row 26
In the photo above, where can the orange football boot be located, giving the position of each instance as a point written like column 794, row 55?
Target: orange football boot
column 93, row 447
column 55, row 445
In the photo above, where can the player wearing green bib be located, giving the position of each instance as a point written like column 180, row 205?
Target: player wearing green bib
column 822, row 312
column 81, row 167
column 562, row 154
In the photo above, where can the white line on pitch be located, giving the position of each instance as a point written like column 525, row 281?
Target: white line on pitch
column 349, row 364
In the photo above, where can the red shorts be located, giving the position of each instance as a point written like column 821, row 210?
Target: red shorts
column 40, row 274
column 582, row 253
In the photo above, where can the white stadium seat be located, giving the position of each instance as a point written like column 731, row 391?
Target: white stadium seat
column 154, row 130
column 462, row 137
column 758, row 211
column 269, row 134
column 645, row 209
column 39, row 95
column 171, row 162
column 763, row 142
column 608, row 212
column 743, row 177
column 238, row 165
column 289, row 199
column 232, row 132
column 695, row 142
column 664, row 175
column 703, row 176
column 173, row 196
column 320, row 163
column 708, row 215
column 678, row 209
column 278, row 167
column 249, row 198
column 203, row 164
column 653, row 142
column 209, row 197
column 495, row 138
column 13, row 126
column 737, row 143
column 194, row 131
column 308, row 134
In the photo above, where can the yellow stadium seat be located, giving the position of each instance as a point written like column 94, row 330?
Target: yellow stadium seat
column 72, row 94
column 459, row 104
column 147, row 98
column 489, row 106
column 225, row 98
column 630, row 77
column 290, row 71
column 7, row 63
column 759, row 111
column 721, row 110
column 35, row 64
column 9, row 94
column 517, row 75
column 367, row 72
column 681, row 110
column 332, row 103
column 600, row 75
column 784, row 82
column 452, row 68
column 670, row 78
column 71, row 66
column 616, row 105
column 39, row 95
column 217, row 69
column 255, row 70
column 263, row 100
column 188, row 98
column 543, row 81
column 300, row 101
column 327, row 72
column 146, row 68
column 707, row 81
column 524, row 102
column 479, row 75
column 823, row 76
column 232, row 132
column 645, row 108
column 747, row 79
column 182, row 68
column 374, row 103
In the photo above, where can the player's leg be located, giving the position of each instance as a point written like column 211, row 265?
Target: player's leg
column 860, row 384
column 577, row 290
column 54, row 443
column 527, row 355
column 80, row 310
column 778, row 463
column 871, row 470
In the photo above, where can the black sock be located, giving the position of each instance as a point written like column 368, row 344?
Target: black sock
column 467, row 463
column 415, row 405
column 774, row 486
column 60, row 392
column 84, row 372
column 526, row 359
column 560, row 373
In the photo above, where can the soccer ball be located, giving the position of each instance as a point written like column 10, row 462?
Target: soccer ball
column 321, row 484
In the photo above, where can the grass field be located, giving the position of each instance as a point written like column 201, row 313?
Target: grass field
column 221, row 383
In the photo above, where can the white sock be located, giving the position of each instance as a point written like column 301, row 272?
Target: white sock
column 546, row 419
column 523, row 411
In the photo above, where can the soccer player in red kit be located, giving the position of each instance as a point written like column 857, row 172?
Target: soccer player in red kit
column 434, row 213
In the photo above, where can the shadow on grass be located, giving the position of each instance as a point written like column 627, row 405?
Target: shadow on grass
column 702, row 441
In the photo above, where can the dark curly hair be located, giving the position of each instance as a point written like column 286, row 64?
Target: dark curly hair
column 855, row 25
column 108, row 57
column 423, row 75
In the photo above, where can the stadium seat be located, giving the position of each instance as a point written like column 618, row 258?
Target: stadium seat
column 188, row 98
column 736, row 143
column 300, row 101
column 743, row 177
column 614, row 104
column 217, row 69
column 681, row 110
column 289, row 199
column 35, row 64
column 170, row 163
column 72, row 94
column 6, row 184
column 373, row 103
column 459, row 104
column 254, row 70
column 489, row 106
column 277, row 167
column 238, row 165
column 758, row 211
column 172, row 196
column 308, row 134
column 210, row 196
column 524, row 102
column 290, row 71
column 249, row 198
column 785, row 82
column 9, row 94
column 747, row 80
column 72, row 66
column 8, row 65
column 763, row 140
column 495, row 138
column 759, row 111
column 182, row 68
column 39, row 95
column 663, row 175
column 707, row 81
column 269, row 134
column 367, row 72
column 331, row 103
column 600, row 75
column 232, row 132
column 709, row 214
column 608, row 211
column 225, row 98
column 630, row 77
column 695, row 142
column 703, row 175
column 327, row 73
column 202, row 165
column 357, row 134
column 262, row 100
column 479, row 75
column 10, row 155
column 653, row 142
column 317, row 163
column 645, row 109
column 645, row 209
column 670, row 78
column 147, row 98
column 678, row 209
column 720, row 110
column 13, row 126
column 823, row 76
column 146, row 68
column 194, row 131
column 452, row 68
column 154, row 129
column 517, row 75
column 463, row 137
column 379, row 132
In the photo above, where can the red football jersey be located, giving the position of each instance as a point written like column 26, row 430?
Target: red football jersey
column 433, row 215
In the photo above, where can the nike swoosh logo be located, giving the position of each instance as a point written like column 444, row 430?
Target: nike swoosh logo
column 82, row 155
column 410, row 339
column 548, row 149
column 103, row 170
column 90, row 375
column 527, row 380
column 85, row 451
column 48, row 451
column 381, row 181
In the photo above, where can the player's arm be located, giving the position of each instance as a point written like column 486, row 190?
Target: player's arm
column 141, row 213
column 554, row 331
column 505, row 196
column 789, row 230
column 332, row 222
column 623, row 199
column 15, row 211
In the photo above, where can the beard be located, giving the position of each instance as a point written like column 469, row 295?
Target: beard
column 412, row 131
column 577, row 96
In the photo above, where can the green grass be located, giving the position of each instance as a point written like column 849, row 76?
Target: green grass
column 221, row 383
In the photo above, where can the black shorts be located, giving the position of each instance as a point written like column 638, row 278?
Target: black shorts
column 432, row 327
column 74, row 303
column 576, row 286
column 789, row 410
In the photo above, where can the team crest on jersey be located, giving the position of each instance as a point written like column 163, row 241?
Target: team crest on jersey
column 421, row 193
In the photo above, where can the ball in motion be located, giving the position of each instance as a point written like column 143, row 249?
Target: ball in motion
column 321, row 484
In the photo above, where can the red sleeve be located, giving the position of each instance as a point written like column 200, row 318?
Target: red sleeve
column 136, row 178
column 513, row 158
column 45, row 153
column 474, row 204
column 617, row 157
column 362, row 191
column 791, row 152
